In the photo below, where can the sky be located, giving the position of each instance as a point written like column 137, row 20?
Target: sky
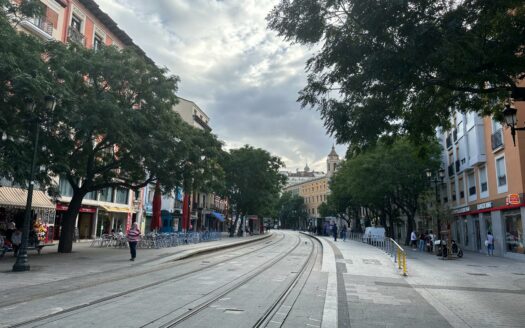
column 244, row 76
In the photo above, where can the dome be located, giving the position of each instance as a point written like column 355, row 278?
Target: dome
column 306, row 168
column 333, row 153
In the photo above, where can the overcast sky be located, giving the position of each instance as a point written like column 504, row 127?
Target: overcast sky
column 240, row 73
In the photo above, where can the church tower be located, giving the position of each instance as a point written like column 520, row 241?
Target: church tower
column 331, row 162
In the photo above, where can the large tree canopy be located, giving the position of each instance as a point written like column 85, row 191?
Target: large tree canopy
column 401, row 66
column 292, row 211
column 253, row 181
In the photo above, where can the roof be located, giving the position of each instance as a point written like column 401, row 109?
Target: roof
column 333, row 153
column 17, row 197
column 112, row 26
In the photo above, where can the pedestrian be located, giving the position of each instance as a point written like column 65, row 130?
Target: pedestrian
column 16, row 240
column 334, row 231
column 422, row 238
column 413, row 240
column 343, row 232
column 133, row 238
column 490, row 244
column 11, row 227
column 430, row 241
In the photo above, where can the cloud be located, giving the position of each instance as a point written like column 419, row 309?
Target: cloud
column 240, row 73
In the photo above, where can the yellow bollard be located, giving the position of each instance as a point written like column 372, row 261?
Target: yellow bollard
column 399, row 258
column 404, row 264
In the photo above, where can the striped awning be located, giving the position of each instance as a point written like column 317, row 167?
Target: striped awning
column 17, row 197
column 116, row 209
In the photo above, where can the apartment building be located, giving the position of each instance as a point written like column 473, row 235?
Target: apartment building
column 484, row 183
column 84, row 23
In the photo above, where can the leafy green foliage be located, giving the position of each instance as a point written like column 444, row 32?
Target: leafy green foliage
column 253, row 180
column 387, row 178
column 292, row 211
column 391, row 67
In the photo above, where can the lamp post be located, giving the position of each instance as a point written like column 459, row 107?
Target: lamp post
column 436, row 179
column 510, row 119
column 22, row 263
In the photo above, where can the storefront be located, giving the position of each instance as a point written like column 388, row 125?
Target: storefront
column 113, row 219
column 86, row 223
column 502, row 217
column 12, row 209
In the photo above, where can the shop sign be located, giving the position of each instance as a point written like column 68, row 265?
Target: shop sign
column 461, row 210
column 62, row 207
column 512, row 199
column 483, row 206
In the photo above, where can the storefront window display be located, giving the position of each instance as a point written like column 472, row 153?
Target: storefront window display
column 514, row 232
column 458, row 232
column 488, row 222
column 465, row 228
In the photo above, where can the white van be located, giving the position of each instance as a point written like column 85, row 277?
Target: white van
column 374, row 234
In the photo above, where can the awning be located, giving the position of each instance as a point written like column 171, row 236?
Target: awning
column 218, row 216
column 116, row 209
column 17, row 197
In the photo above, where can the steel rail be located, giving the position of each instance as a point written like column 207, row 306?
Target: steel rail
column 248, row 277
column 274, row 308
column 133, row 290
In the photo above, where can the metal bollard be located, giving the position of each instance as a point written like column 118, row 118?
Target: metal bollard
column 404, row 264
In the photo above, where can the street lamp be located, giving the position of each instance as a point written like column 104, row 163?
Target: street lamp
column 510, row 119
column 22, row 263
column 437, row 179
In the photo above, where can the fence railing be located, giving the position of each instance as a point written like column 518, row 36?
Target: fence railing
column 390, row 246
column 157, row 240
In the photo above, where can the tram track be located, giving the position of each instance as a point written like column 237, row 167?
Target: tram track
column 65, row 288
column 247, row 277
column 177, row 277
column 291, row 293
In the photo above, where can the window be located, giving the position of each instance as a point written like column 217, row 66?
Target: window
column 483, row 185
column 64, row 188
column 122, row 196
column 461, row 187
column 458, row 232
column 106, row 195
column 76, row 23
column 501, row 174
column 471, row 184
column 97, row 42
column 91, row 195
column 514, row 232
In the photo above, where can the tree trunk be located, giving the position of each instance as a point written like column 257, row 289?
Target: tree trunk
column 67, row 232
column 241, row 227
column 232, row 228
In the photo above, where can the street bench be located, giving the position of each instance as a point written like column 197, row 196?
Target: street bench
column 29, row 248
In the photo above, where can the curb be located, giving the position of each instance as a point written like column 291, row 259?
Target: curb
column 210, row 249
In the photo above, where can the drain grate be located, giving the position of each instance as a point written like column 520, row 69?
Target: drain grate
column 477, row 274
column 233, row 311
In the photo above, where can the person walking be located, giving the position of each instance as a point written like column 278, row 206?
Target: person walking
column 422, row 238
column 334, row 231
column 343, row 232
column 16, row 240
column 490, row 244
column 413, row 240
column 133, row 238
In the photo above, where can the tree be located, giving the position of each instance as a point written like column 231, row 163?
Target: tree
column 252, row 181
column 388, row 178
column 23, row 76
column 292, row 211
column 390, row 67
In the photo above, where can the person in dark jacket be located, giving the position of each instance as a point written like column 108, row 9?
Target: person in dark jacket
column 334, row 231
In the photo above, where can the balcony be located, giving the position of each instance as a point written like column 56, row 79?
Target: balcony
column 497, row 139
column 39, row 26
column 75, row 36
column 455, row 135
column 451, row 170
column 458, row 166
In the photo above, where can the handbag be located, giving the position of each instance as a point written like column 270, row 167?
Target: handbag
column 486, row 242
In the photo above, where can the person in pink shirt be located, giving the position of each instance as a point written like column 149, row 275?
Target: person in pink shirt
column 133, row 239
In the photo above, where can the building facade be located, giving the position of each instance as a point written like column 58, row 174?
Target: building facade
column 484, row 184
column 84, row 23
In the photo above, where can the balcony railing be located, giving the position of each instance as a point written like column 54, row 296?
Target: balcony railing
column 457, row 166
column 497, row 139
column 43, row 24
column 75, row 36
column 455, row 135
